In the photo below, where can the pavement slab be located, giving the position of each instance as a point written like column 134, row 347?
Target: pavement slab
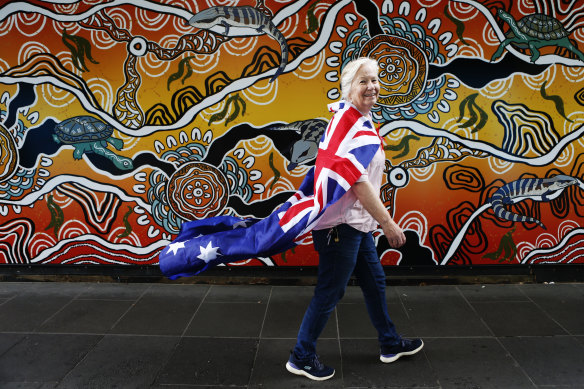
column 173, row 336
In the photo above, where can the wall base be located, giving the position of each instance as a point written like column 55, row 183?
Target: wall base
column 297, row 275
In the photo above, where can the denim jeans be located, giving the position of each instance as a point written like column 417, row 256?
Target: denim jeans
column 343, row 251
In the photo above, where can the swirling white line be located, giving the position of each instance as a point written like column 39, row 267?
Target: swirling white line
column 30, row 198
column 29, row 24
column 534, row 82
column 150, row 21
column 415, row 221
column 282, row 185
column 179, row 24
column 58, row 97
column 262, row 93
column 425, row 130
column 239, row 84
column 103, row 92
column 461, row 233
column 61, row 199
column 490, row 36
column 46, row 255
column 577, row 120
column 257, row 146
column 204, row 63
column 290, row 26
column 573, row 74
column 18, row 6
column 525, row 7
column 72, row 228
column 240, row 46
column 463, row 13
column 122, row 19
column 311, row 68
column 473, row 49
column 72, row 28
column 153, row 67
column 422, row 174
column 499, row 166
column 4, row 66
column 497, row 88
column 540, row 250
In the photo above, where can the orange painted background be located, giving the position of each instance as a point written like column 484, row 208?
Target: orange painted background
column 120, row 121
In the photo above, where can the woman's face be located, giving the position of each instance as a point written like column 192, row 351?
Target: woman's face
column 365, row 88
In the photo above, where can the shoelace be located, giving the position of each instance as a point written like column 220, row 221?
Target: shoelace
column 316, row 362
column 403, row 343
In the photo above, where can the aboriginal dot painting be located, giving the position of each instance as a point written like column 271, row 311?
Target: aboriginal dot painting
column 120, row 120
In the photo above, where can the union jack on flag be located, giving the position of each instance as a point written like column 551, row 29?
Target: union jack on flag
column 346, row 149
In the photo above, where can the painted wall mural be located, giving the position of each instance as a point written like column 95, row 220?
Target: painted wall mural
column 121, row 120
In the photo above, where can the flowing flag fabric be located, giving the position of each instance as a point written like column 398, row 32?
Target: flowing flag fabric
column 346, row 149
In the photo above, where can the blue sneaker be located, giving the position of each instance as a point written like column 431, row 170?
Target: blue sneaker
column 311, row 368
column 404, row 347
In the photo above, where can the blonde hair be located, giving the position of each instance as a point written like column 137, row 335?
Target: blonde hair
column 349, row 71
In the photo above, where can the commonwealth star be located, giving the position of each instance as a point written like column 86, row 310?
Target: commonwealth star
column 208, row 253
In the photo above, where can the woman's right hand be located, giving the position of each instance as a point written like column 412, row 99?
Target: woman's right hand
column 394, row 234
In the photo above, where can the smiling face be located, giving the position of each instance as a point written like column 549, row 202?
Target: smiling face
column 364, row 88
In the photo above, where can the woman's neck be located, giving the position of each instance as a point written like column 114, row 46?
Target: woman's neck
column 366, row 113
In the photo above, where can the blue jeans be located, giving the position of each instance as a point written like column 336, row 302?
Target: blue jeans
column 343, row 251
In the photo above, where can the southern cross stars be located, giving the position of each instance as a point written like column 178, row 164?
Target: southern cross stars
column 208, row 253
column 175, row 246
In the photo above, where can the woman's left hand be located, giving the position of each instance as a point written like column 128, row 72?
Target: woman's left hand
column 394, row 234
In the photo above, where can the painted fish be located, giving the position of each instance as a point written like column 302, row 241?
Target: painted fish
column 244, row 16
column 538, row 189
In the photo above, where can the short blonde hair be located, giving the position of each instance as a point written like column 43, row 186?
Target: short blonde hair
column 349, row 71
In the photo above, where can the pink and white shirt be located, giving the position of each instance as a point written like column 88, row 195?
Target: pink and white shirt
column 348, row 209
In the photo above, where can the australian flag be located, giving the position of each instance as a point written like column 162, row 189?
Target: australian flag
column 345, row 150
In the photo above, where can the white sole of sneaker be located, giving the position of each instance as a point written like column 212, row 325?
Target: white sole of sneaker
column 395, row 357
column 296, row 371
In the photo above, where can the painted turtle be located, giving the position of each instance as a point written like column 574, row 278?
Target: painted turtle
column 88, row 134
column 535, row 31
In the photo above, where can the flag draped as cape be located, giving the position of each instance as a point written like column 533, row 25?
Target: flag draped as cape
column 345, row 150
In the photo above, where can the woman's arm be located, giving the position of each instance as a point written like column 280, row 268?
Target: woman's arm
column 372, row 204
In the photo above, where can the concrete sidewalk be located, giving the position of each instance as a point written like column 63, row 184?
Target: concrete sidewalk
column 106, row 335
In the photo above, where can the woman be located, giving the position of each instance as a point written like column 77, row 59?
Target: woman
column 342, row 237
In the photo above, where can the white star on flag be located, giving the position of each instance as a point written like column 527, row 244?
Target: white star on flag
column 208, row 253
column 175, row 246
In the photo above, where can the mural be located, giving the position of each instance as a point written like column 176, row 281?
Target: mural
column 121, row 120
